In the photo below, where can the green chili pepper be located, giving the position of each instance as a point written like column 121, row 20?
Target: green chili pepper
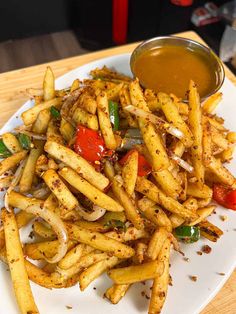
column 188, row 234
column 115, row 224
column 4, row 152
column 24, row 141
column 54, row 112
column 114, row 114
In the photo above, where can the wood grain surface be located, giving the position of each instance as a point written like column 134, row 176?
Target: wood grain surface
column 12, row 95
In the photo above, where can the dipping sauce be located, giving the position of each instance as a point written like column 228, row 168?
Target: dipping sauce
column 170, row 68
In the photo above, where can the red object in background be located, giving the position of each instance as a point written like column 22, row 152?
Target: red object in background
column 120, row 21
column 224, row 196
column 182, row 3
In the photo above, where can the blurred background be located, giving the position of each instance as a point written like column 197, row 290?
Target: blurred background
column 34, row 32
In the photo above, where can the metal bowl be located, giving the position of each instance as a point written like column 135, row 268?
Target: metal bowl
column 161, row 41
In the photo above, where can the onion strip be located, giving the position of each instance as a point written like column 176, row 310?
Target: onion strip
column 162, row 124
column 182, row 163
column 14, row 182
column 57, row 226
column 97, row 213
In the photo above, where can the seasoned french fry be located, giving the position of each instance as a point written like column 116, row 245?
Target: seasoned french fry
column 211, row 103
column 173, row 116
column 96, row 196
column 223, row 174
column 29, row 169
column 125, row 101
column 43, row 231
column 11, row 142
column 210, row 231
column 87, row 102
column 131, row 274
column 156, row 242
column 104, row 121
column 130, row 172
column 93, row 226
column 167, row 182
column 94, row 271
column 107, row 73
column 76, row 162
column 75, row 85
column 195, row 122
column 53, row 133
column 116, row 292
column 17, row 200
column 113, row 94
column 203, row 213
column 181, row 106
column 16, row 264
column 194, row 191
column 12, row 161
column 41, row 124
column 67, row 130
column 60, row 190
column 160, row 284
column 29, row 116
column 131, row 234
column 131, row 211
column 150, row 190
column 48, row 85
column 72, row 257
column 218, row 138
column 80, row 116
column 140, row 252
column 154, row 213
column 99, row 241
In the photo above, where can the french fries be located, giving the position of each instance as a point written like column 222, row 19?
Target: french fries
column 57, row 186
column 137, row 273
column 195, row 122
column 104, row 121
column 111, row 203
column 12, row 161
column 16, row 264
column 79, row 164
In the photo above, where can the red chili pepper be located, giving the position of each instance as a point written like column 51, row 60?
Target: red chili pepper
column 90, row 145
column 144, row 168
column 224, row 196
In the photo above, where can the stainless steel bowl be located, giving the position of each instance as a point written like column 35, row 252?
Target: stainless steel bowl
column 161, row 41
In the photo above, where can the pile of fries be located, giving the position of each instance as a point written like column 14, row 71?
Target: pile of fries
column 114, row 214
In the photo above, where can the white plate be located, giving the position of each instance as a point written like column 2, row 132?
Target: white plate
column 185, row 296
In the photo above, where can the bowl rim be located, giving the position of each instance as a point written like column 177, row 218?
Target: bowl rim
column 187, row 40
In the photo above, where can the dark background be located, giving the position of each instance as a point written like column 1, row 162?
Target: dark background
column 89, row 23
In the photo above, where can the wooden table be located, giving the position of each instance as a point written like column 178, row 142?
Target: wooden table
column 12, row 96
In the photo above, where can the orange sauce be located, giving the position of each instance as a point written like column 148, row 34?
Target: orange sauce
column 170, row 68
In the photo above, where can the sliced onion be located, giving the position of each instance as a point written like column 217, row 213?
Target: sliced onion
column 57, row 226
column 14, row 182
column 97, row 213
column 41, row 193
column 169, row 128
column 182, row 163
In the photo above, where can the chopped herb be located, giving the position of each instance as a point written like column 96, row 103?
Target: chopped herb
column 115, row 224
column 4, row 152
column 24, row 141
column 54, row 112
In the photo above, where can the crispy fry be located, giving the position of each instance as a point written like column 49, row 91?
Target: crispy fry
column 29, row 116
column 104, row 121
column 43, row 231
column 96, row 196
column 72, row 257
column 203, row 213
column 48, row 85
column 29, row 169
column 125, row 101
column 130, row 172
column 195, row 122
column 194, row 191
column 75, row 85
column 16, row 264
column 116, row 292
column 76, row 162
column 41, row 124
column 80, row 116
column 99, row 241
column 131, row 274
column 11, row 142
column 91, row 273
column 56, row 185
column 156, row 242
column 67, row 130
column 12, row 161
column 173, row 116
column 211, row 103
column 150, row 190
column 160, row 284
column 53, row 133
